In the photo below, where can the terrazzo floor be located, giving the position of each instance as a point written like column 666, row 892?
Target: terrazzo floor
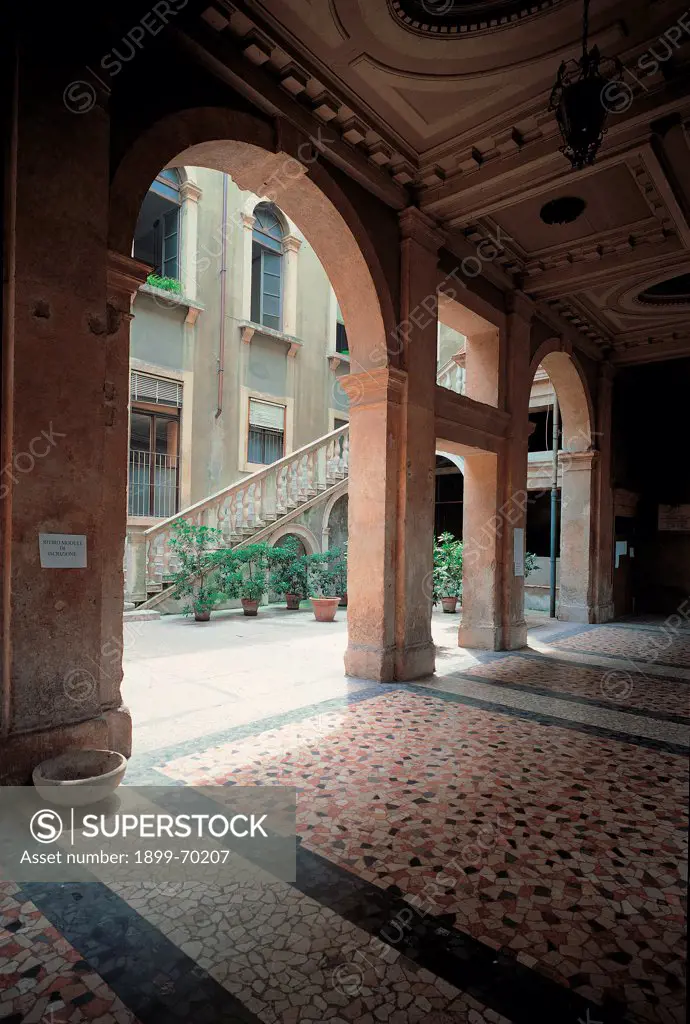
column 505, row 842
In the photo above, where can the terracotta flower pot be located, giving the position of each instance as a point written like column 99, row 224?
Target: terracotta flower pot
column 343, row 601
column 202, row 616
column 449, row 604
column 292, row 602
column 324, row 608
column 250, row 607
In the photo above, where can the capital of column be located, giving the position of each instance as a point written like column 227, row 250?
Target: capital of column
column 420, row 228
column 124, row 276
column 369, row 387
column 291, row 243
column 519, row 304
column 248, row 220
column 188, row 190
column 577, row 461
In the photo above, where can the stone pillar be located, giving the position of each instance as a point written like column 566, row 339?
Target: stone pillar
column 480, row 626
column 391, row 482
column 602, row 567
column 189, row 244
column 495, row 496
column 248, row 222
column 291, row 247
column 64, row 429
column 577, row 535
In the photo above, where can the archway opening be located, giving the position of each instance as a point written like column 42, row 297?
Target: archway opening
column 278, row 296
column 559, row 486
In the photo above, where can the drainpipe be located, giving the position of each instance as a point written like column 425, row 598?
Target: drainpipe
column 554, row 510
column 223, row 271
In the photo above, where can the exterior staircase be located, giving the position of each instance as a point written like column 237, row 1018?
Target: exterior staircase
column 253, row 508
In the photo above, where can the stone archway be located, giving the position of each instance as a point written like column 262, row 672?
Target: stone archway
column 577, row 463
column 308, row 539
column 358, row 245
column 285, row 168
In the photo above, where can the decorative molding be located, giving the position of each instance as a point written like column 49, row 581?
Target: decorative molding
column 248, row 220
column 446, row 18
column 190, row 191
column 125, row 275
column 291, row 243
column 304, row 88
column 372, row 386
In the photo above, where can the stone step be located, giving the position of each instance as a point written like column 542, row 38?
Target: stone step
column 141, row 616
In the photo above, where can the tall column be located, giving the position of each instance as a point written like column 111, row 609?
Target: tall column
column 480, row 626
column 391, row 482
column 495, row 497
column 291, row 248
column 602, row 567
column 190, row 193
column 64, row 430
column 577, row 535
column 245, row 276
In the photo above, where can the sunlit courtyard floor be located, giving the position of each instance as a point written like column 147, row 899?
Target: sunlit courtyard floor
column 504, row 841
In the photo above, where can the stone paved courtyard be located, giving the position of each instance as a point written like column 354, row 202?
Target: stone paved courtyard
column 503, row 842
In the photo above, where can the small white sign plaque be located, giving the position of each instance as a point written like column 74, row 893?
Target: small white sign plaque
column 519, row 551
column 675, row 518
column 62, row 550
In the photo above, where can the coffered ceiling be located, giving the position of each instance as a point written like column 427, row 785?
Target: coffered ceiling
column 445, row 103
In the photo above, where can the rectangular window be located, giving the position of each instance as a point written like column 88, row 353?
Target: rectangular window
column 154, row 447
column 266, row 436
column 266, row 287
column 341, row 343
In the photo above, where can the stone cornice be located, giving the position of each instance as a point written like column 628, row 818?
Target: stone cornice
column 125, row 275
column 372, row 386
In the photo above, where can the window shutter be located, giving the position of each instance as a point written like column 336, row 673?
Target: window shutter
column 145, row 388
column 267, row 415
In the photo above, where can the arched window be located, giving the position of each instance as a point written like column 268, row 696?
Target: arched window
column 156, row 239
column 267, row 255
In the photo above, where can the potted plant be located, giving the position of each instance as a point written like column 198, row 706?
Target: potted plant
column 199, row 558
column 339, row 570
column 288, row 574
column 447, row 575
column 530, row 563
column 245, row 576
column 322, row 586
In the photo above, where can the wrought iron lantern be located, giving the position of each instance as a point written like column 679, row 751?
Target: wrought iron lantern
column 580, row 99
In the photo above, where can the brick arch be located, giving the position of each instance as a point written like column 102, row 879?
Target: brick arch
column 253, row 153
column 572, row 391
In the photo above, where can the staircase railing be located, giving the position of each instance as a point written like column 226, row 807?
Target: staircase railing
column 452, row 376
column 251, row 504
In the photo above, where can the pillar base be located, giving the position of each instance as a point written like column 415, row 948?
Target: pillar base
column 388, row 665
column 515, row 636
column 415, row 662
column 20, row 753
column 575, row 613
column 485, row 638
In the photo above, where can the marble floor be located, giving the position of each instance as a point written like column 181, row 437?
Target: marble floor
column 505, row 841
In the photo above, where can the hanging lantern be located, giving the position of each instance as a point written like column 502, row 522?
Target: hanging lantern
column 578, row 100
